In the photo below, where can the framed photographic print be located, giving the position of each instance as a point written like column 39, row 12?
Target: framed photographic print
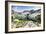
column 24, row 16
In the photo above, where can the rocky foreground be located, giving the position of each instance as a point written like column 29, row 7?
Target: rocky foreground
column 27, row 24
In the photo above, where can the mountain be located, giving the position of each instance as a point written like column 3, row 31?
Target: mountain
column 27, row 11
column 32, row 11
column 39, row 10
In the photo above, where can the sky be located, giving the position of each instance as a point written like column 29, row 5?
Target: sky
column 22, row 8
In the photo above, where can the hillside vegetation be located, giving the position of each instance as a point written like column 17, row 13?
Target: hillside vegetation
column 22, row 20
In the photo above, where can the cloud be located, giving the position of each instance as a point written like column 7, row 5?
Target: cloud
column 22, row 8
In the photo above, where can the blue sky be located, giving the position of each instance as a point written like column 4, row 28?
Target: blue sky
column 22, row 8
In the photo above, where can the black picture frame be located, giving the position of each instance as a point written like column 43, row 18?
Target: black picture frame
column 6, row 16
